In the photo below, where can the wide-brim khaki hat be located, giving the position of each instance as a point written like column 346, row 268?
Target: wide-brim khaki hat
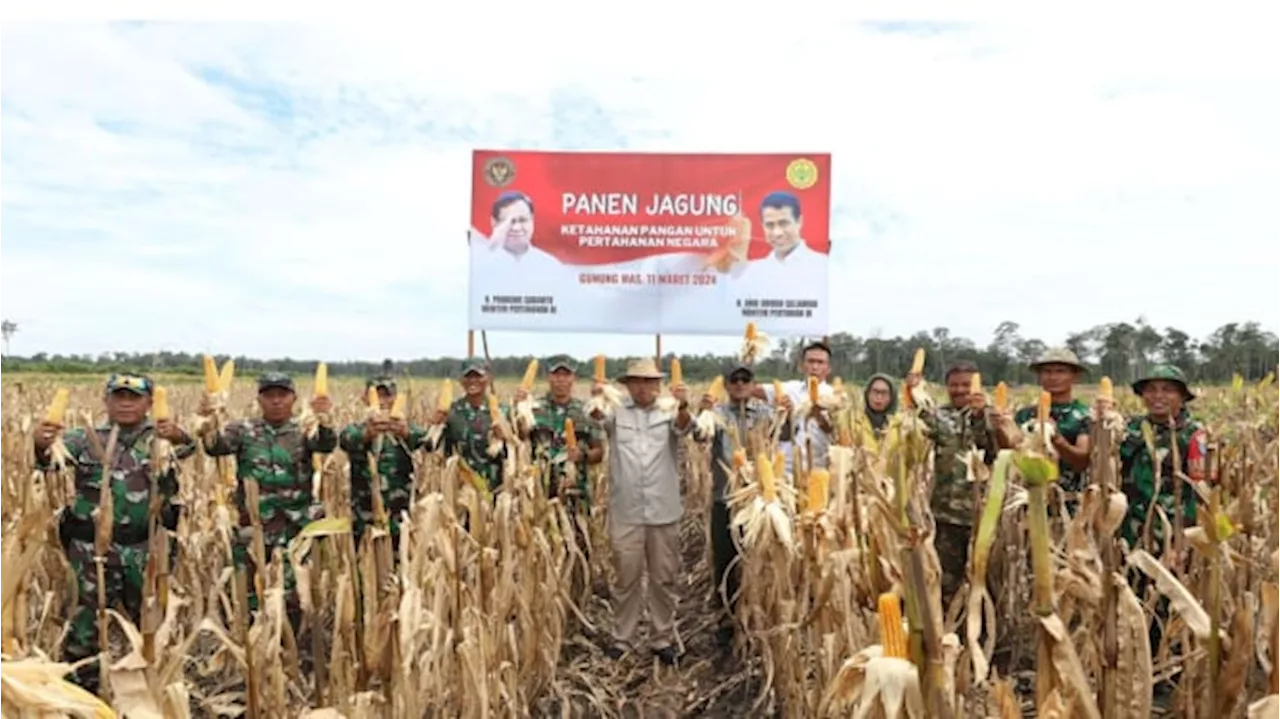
column 642, row 369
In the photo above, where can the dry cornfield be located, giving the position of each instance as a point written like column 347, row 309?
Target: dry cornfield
column 496, row 610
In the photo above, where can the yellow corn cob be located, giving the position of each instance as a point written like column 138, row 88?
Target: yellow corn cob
column 570, row 439
column 739, row 458
column 58, row 407
column 893, row 641
column 373, row 397
column 495, row 413
column 210, row 375
column 677, row 376
column 160, row 404
column 813, row 391
column 917, row 362
column 1042, row 410
column 397, row 407
column 907, row 402
column 530, row 374
column 446, row 396
column 975, row 383
column 227, row 375
column 837, row 386
column 751, row 331
column 1002, row 396
column 322, row 380
column 819, row 480
column 716, row 390
column 1105, row 390
column 600, row 369
column 765, row 476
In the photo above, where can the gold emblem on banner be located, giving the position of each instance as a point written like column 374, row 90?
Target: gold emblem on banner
column 499, row 172
column 802, row 174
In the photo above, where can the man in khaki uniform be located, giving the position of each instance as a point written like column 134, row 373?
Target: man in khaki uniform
column 645, row 506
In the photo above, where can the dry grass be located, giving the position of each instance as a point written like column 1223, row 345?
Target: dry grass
column 496, row 611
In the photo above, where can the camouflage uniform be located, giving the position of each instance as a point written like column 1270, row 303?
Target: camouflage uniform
column 547, row 437
column 746, row 417
column 126, row 559
column 466, row 431
column 1137, row 470
column 395, row 468
column 278, row 457
column 953, row 431
column 1072, row 420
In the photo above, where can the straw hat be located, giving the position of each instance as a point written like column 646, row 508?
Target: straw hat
column 642, row 369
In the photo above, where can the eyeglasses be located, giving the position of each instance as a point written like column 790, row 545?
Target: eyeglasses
column 739, row 379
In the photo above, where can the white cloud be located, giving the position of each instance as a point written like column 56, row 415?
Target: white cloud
column 302, row 190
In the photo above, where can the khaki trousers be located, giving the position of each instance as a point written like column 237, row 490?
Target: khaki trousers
column 638, row 548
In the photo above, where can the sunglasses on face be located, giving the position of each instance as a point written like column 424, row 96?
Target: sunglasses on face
column 132, row 383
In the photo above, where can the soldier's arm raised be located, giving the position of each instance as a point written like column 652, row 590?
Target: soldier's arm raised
column 353, row 439
column 223, row 442
column 324, row 441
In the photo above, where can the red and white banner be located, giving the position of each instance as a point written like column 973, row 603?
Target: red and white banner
column 649, row 243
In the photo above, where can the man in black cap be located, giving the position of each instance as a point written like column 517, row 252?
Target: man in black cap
column 275, row 451
column 128, row 400
column 468, row 426
column 750, row 417
column 394, row 459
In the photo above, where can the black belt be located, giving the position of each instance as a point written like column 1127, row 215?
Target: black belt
column 75, row 528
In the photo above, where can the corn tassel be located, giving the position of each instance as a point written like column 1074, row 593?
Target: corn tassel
column 530, row 375
column 570, row 438
column 160, row 403
column 819, row 481
column 601, row 368
column 1002, row 396
column 446, row 396
column 58, row 407
column 917, row 362
column 893, row 641
column 677, row 376
column 210, row 375
column 813, row 391
column 322, row 380
column 765, row 476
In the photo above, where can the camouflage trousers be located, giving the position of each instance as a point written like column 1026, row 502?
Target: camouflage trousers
column 952, row 544
column 123, row 575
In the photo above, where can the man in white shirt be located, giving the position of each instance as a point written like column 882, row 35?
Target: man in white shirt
column 815, row 431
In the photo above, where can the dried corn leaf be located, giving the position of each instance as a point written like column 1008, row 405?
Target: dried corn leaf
column 1181, row 600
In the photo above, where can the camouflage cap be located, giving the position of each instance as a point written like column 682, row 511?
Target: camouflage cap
column 381, row 382
column 474, row 366
column 561, row 362
column 1168, row 373
column 1057, row 355
column 275, row 379
column 129, row 382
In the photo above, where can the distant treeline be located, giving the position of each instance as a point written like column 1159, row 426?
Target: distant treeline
column 1121, row 350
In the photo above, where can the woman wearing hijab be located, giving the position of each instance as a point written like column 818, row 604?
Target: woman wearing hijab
column 879, row 401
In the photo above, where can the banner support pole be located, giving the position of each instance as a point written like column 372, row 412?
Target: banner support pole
column 657, row 348
column 471, row 344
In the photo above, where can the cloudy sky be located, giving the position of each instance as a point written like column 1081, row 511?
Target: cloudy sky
column 290, row 190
